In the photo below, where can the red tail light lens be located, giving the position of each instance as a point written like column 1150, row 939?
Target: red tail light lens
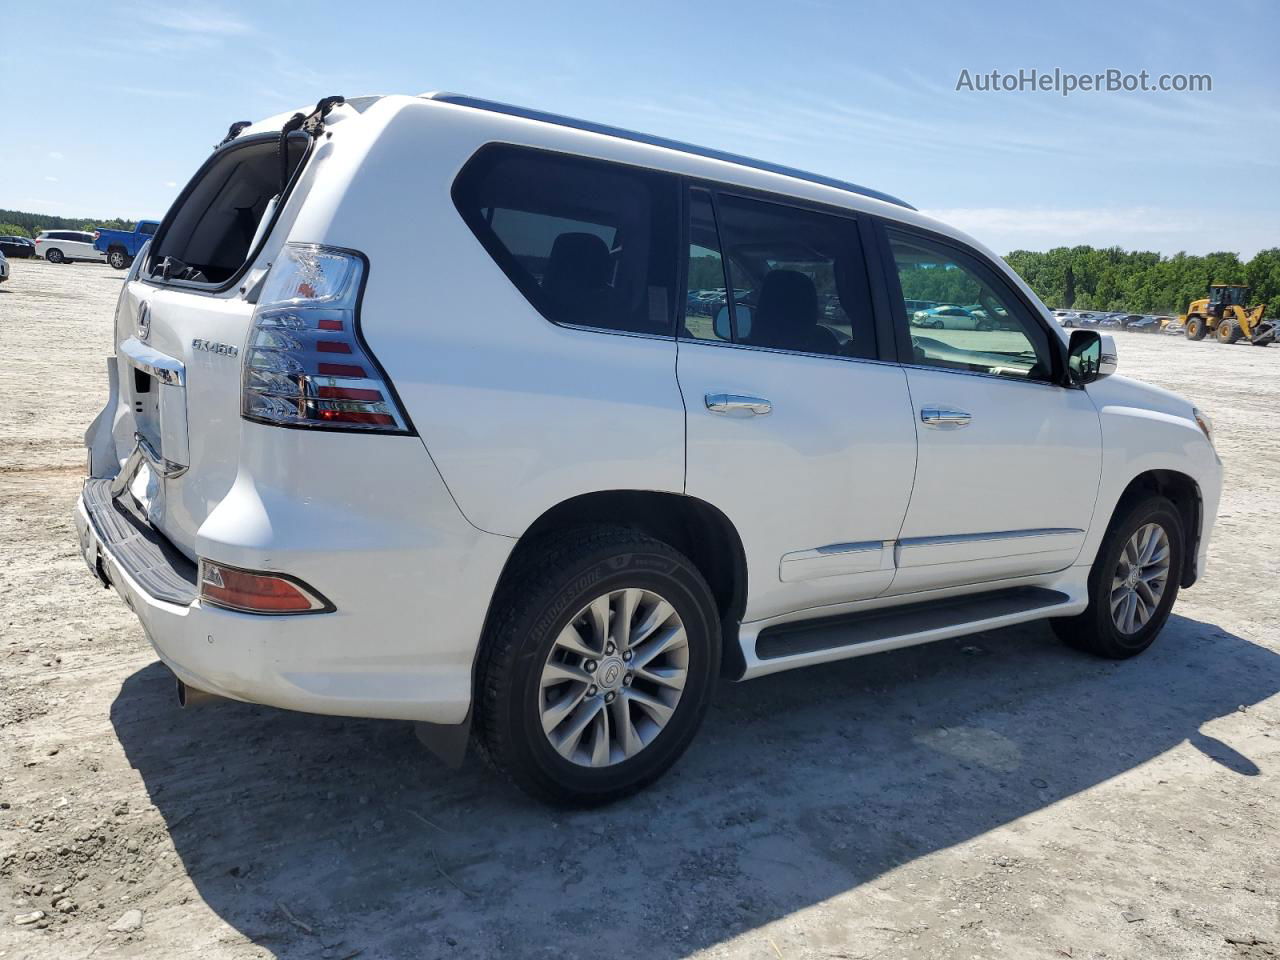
column 251, row 592
column 305, row 364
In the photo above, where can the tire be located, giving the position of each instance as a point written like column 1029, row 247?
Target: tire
column 1195, row 328
column 937, row 325
column 55, row 256
column 558, row 585
column 118, row 258
column 1096, row 630
column 1228, row 331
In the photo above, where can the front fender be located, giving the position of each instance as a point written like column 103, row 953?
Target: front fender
column 1147, row 430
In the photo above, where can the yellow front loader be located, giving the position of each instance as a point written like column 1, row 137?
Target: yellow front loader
column 1224, row 314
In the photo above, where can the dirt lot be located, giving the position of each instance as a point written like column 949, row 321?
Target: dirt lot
column 999, row 796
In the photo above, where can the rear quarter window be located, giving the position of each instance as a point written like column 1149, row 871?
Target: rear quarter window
column 587, row 242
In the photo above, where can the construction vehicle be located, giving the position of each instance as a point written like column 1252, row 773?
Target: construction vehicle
column 1224, row 314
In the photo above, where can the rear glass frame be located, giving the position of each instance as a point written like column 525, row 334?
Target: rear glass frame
column 156, row 243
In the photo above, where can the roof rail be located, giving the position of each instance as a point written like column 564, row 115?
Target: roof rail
column 509, row 110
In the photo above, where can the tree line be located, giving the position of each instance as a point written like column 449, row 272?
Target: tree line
column 1088, row 278
column 19, row 223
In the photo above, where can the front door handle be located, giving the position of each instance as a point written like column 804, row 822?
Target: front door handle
column 944, row 417
column 732, row 403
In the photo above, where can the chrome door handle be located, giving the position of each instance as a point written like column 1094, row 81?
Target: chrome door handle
column 944, row 417
column 733, row 403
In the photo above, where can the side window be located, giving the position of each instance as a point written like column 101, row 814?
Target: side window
column 148, row 229
column 976, row 324
column 705, row 297
column 797, row 279
column 587, row 242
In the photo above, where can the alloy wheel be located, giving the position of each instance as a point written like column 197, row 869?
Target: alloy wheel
column 1140, row 578
column 614, row 677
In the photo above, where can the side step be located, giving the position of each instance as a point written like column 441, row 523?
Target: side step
column 811, row 636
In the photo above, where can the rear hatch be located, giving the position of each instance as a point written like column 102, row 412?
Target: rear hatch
column 181, row 326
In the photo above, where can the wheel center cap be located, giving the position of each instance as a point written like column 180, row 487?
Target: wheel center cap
column 1132, row 579
column 610, row 672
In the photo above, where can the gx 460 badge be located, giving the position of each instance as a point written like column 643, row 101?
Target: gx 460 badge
column 211, row 346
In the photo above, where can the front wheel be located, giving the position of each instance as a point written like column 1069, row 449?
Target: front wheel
column 1195, row 328
column 1228, row 331
column 595, row 677
column 1132, row 585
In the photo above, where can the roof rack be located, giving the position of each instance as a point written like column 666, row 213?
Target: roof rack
column 523, row 112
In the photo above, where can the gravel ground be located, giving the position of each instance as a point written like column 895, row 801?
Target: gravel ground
column 999, row 796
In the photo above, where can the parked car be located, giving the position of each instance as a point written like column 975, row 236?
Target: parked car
column 121, row 246
column 4, row 267
column 557, row 524
column 66, row 246
column 17, row 248
column 951, row 317
column 1144, row 324
column 1086, row 319
column 1175, row 326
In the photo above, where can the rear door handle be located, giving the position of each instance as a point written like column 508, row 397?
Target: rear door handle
column 732, row 403
column 944, row 417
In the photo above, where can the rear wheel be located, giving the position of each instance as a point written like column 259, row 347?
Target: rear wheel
column 54, row 256
column 1132, row 585
column 595, row 677
column 117, row 258
column 1228, row 331
column 1195, row 328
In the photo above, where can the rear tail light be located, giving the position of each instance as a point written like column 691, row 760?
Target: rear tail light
column 254, row 592
column 97, row 234
column 305, row 364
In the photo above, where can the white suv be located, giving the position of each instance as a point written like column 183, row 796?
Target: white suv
column 67, row 246
column 506, row 482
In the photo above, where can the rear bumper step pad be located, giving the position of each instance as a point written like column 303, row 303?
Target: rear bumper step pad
column 159, row 568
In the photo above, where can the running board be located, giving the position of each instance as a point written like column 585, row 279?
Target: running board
column 832, row 638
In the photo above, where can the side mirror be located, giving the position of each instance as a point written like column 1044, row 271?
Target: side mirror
column 722, row 327
column 1090, row 355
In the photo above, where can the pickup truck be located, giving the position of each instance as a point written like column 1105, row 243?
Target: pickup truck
column 121, row 246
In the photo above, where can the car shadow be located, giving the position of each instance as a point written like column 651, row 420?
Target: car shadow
column 313, row 835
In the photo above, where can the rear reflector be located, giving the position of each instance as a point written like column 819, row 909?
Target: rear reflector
column 254, row 592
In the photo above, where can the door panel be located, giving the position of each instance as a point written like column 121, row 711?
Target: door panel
column 1009, row 460
column 815, row 486
column 792, row 430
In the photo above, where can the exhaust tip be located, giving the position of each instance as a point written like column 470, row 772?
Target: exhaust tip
column 189, row 697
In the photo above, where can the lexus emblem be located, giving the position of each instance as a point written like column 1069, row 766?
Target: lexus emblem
column 144, row 321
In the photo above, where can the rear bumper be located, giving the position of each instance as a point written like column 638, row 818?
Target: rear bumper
column 402, row 656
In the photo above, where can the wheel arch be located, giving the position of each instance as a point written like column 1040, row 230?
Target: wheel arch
column 694, row 527
column 1184, row 493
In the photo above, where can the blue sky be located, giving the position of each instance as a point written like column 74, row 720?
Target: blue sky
column 120, row 102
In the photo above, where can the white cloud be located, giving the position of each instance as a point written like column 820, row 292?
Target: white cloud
column 184, row 21
column 55, row 155
column 52, row 179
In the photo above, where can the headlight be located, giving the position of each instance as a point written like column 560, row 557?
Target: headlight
column 1206, row 425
